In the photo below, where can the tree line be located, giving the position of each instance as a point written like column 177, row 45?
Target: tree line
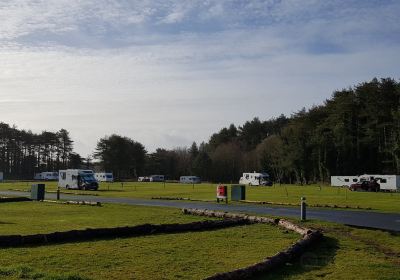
column 23, row 153
column 356, row 131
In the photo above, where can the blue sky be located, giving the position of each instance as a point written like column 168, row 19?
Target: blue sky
column 169, row 72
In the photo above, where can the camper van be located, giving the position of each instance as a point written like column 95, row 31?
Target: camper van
column 104, row 177
column 189, row 180
column 77, row 179
column 255, row 179
column 157, row 178
column 47, row 176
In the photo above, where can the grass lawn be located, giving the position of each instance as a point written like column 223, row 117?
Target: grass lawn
column 344, row 253
column 170, row 256
column 347, row 253
column 174, row 256
column 385, row 202
column 41, row 217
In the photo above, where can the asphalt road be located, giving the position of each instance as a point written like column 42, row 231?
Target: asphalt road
column 385, row 221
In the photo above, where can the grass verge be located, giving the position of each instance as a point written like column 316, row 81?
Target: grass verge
column 315, row 194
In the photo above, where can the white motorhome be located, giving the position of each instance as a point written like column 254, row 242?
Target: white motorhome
column 255, row 179
column 104, row 177
column 157, row 178
column 189, row 180
column 386, row 182
column 77, row 179
column 47, row 176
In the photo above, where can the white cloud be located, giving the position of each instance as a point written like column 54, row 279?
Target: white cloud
column 167, row 73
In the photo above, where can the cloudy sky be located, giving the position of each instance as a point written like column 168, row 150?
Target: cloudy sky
column 170, row 72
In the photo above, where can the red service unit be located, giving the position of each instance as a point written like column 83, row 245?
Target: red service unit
column 222, row 192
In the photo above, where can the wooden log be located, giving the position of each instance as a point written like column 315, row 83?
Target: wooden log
column 291, row 226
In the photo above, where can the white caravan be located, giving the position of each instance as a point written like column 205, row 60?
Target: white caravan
column 386, row 182
column 77, row 179
column 104, row 177
column 190, row 180
column 339, row 181
column 255, row 179
column 157, row 178
column 47, row 176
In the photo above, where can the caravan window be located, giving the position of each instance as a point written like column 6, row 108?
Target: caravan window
column 63, row 175
column 346, row 180
column 355, row 180
column 383, row 180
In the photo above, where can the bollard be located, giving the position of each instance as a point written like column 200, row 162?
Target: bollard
column 58, row 193
column 303, row 208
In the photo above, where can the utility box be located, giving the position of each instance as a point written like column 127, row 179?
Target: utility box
column 37, row 191
column 222, row 193
column 238, row 192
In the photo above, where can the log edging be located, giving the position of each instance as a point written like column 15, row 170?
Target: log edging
column 309, row 238
column 116, row 232
column 75, row 202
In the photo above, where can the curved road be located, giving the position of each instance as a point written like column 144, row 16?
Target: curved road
column 385, row 221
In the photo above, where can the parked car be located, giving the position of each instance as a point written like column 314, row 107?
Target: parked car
column 370, row 186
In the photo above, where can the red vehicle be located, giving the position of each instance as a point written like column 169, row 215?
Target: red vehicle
column 370, row 186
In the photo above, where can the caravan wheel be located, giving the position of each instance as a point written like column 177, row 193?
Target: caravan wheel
column 67, row 187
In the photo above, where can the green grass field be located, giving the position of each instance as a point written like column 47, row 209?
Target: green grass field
column 170, row 256
column 41, row 217
column 344, row 253
column 347, row 253
column 385, row 202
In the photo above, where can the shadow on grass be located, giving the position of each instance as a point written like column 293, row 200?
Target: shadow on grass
column 6, row 223
column 314, row 259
